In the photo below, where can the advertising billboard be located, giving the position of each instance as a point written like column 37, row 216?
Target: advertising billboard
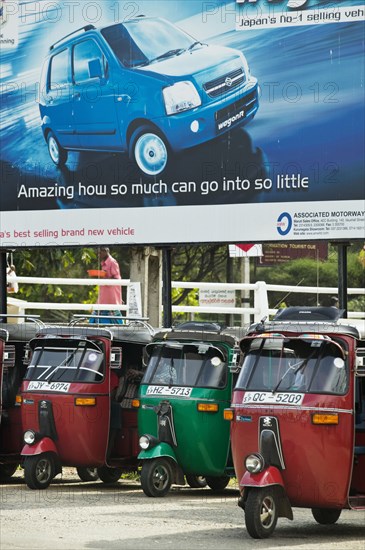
column 161, row 121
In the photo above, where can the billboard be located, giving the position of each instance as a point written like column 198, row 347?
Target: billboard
column 161, row 121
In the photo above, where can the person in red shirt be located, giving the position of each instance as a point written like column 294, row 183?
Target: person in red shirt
column 109, row 294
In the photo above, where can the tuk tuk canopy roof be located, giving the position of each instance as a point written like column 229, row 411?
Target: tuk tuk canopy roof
column 230, row 336
column 22, row 332
column 124, row 333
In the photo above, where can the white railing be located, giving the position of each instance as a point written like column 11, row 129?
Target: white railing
column 260, row 291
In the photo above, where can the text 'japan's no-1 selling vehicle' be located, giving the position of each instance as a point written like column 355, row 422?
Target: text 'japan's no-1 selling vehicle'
column 77, row 401
column 187, row 385
column 298, row 418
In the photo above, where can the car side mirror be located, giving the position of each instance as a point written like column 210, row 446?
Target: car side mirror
column 95, row 69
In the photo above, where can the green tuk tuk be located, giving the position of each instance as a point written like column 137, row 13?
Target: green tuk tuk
column 187, row 384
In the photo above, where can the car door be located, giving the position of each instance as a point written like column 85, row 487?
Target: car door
column 93, row 98
column 58, row 99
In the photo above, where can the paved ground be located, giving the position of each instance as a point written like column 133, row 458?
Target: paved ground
column 75, row 515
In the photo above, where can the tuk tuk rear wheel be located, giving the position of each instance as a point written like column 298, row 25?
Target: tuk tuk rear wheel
column 6, row 471
column 326, row 516
column 196, row 482
column 217, row 484
column 109, row 475
column 39, row 470
column 261, row 512
column 87, row 474
column 156, row 477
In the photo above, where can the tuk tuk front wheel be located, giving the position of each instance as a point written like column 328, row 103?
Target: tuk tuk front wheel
column 87, row 474
column 109, row 475
column 261, row 512
column 196, row 482
column 156, row 477
column 326, row 516
column 217, row 484
column 39, row 470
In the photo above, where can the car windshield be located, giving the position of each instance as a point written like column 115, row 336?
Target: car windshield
column 306, row 364
column 142, row 41
column 186, row 365
column 77, row 363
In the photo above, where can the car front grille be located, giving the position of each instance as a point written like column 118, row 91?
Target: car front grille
column 225, row 84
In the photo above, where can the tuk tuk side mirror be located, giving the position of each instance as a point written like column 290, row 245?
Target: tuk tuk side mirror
column 27, row 355
column 9, row 356
column 360, row 362
column 234, row 365
column 116, row 358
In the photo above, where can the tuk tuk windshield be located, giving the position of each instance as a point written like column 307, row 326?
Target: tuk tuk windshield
column 200, row 365
column 277, row 364
column 81, row 363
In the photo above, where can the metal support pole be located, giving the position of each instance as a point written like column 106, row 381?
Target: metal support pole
column 166, row 287
column 3, row 291
column 342, row 276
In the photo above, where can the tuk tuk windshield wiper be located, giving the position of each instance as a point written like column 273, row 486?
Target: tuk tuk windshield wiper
column 64, row 364
column 295, row 368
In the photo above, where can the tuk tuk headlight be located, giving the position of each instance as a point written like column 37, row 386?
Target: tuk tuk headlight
column 147, row 441
column 29, row 437
column 254, row 463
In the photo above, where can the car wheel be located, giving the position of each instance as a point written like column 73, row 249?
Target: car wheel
column 109, row 475
column 196, row 482
column 87, row 474
column 156, row 477
column 149, row 151
column 56, row 152
column 39, row 471
column 6, row 471
column 326, row 516
column 218, row 484
column 261, row 512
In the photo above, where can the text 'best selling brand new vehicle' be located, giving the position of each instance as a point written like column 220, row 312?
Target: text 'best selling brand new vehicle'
column 144, row 87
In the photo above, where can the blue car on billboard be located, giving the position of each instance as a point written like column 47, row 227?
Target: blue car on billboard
column 143, row 87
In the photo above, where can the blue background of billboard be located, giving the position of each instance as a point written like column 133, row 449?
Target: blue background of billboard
column 310, row 120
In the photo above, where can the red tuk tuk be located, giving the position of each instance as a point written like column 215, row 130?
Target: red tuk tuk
column 298, row 418
column 77, row 401
column 13, row 356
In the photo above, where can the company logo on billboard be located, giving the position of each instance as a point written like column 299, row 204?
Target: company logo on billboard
column 3, row 14
column 284, row 223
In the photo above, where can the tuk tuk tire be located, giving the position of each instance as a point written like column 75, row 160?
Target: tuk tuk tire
column 196, row 482
column 109, row 475
column 6, row 471
column 39, row 470
column 326, row 516
column 261, row 512
column 87, row 474
column 217, row 484
column 156, row 477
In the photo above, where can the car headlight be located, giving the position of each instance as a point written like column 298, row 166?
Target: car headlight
column 147, row 441
column 29, row 437
column 182, row 96
column 254, row 463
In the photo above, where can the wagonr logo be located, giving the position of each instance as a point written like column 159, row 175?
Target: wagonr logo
column 228, row 82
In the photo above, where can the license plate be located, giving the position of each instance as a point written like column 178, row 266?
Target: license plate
column 45, row 386
column 269, row 398
column 174, row 391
